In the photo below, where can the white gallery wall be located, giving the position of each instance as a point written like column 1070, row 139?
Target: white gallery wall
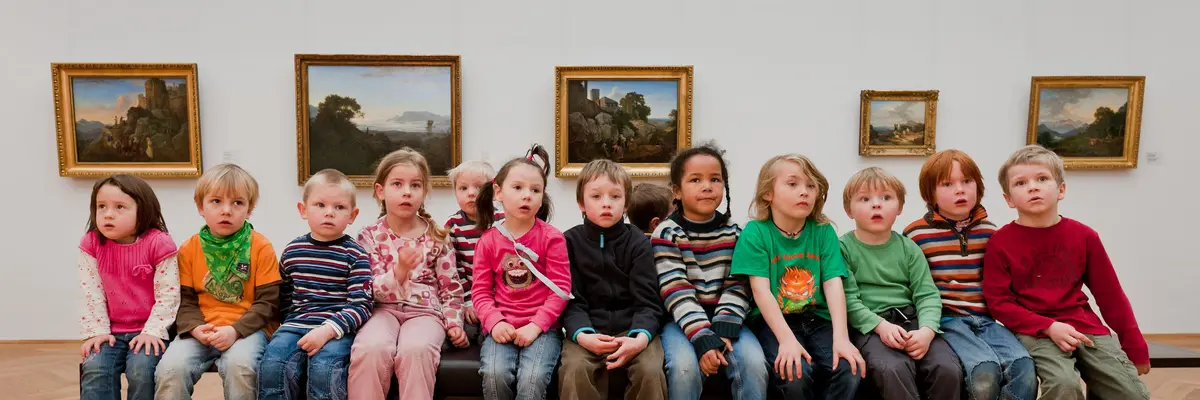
column 770, row 77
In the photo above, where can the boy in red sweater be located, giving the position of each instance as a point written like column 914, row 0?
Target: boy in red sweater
column 1036, row 269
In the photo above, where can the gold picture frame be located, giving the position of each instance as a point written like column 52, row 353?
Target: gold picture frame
column 642, row 130
column 1074, row 116
column 913, row 132
column 139, row 119
column 427, row 120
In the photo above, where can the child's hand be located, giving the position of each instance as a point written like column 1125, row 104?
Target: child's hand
column 503, row 332
column 527, row 334
column 918, row 344
column 1142, row 369
column 151, row 342
column 842, row 348
column 598, row 344
column 314, row 340
column 469, row 315
column 787, row 363
column 223, row 337
column 458, row 337
column 1066, row 337
column 93, row 344
column 203, row 334
column 629, row 348
column 728, row 345
column 712, row 361
column 892, row 335
column 407, row 259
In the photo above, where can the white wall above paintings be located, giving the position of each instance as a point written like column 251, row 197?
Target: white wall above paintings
column 769, row 78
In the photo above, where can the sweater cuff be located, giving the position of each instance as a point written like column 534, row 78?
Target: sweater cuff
column 1138, row 356
column 633, row 333
column 935, row 325
column 870, row 324
column 337, row 329
column 707, row 342
column 581, row 330
column 728, row 330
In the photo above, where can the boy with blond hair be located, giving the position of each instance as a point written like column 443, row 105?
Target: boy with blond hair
column 1036, row 269
column 229, row 289
column 463, row 233
column 326, row 297
column 891, row 300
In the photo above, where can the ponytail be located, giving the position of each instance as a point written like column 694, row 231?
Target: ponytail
column 485, row 206
column 437, row 232
column 543, row 213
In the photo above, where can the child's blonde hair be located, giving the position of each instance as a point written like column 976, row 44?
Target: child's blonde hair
column 872, row 177
column 1033, row 154
column 599, row 168
column 760, row 208
column 331, row 177
column 476, row 166
column 227, row 179
column 411, row 157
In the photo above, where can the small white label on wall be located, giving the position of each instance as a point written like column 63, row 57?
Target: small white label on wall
column 1153, row 157
column 228, row 156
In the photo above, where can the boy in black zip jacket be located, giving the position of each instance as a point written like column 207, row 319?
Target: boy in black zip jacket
column 616, row 311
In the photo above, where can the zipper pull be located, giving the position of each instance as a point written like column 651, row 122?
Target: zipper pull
column 602, row 240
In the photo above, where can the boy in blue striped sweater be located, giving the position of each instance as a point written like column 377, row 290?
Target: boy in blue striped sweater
column 326, row 297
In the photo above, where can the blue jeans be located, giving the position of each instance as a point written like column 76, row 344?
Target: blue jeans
column 101, row 378
column 823, row 381
column 504, row 366
column 996, row 365
column 187, row 359
column 747, row 368
column 285, row 368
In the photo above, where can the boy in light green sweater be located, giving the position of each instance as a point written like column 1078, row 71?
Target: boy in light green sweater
column 891, row 300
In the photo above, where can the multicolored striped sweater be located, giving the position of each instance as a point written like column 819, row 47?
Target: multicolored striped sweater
column 693, row 261
column 325, row 283
column 955, row 255
column 462, row 232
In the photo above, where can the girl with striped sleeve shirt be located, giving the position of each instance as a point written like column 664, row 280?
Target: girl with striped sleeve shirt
column 326, row 296
column 693, row 249
column 462, row 231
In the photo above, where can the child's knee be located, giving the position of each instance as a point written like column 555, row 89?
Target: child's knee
column 371, row 351
column 984, row 380
column 498, row 374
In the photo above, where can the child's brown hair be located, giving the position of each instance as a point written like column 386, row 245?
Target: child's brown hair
column 486, row 209
column 411, row 157
column 937, row 168
column 603, row 168
column 647, row 202
column 1033, row 154
column 149, row 212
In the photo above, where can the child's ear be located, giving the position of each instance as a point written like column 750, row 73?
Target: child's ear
column 1062, row 190
column 1008, row 200
column 378, row 191
column 353, row 214
column 654, row 223
column 300, row 207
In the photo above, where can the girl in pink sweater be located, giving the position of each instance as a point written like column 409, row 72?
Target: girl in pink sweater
column 130, row 283
column 522, row 282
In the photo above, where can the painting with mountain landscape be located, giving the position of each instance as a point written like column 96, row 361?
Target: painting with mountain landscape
column 1089, row 125
column 897, row 122
column 354, row 112
column 139, row 119
column 635, row 121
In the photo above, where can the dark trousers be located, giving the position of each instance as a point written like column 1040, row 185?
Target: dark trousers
column 584, row 376
column 895, row 375
column 819, row 381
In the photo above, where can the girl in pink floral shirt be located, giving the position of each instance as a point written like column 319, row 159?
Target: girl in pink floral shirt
column 418, row 296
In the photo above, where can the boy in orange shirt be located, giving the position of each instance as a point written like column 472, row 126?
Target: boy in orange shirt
column 229, row 287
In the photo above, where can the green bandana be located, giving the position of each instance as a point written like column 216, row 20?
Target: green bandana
column 228, row 260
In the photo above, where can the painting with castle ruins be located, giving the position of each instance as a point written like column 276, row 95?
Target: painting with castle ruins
column 353, row 110
column 635, row 116
column 136, row 118
column 898, row 123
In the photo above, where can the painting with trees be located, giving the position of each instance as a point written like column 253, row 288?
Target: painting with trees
column 898, row 123
column 353, row 110
column 631, row 116
column 133, row 118
column 1090, row 122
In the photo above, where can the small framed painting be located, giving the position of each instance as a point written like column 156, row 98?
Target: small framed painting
column 140, row 119
column 1090, row 121
column 897, row 123
column 637, row 116
column 351, row 110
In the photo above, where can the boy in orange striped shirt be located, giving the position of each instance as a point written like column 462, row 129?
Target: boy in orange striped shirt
column 953, row 234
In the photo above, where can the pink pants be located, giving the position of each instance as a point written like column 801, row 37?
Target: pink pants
column 398, row 339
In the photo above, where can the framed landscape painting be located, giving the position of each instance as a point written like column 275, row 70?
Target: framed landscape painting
column 351, row 110
column 897, row 123
column 140, row 119
column 637, row 116
column 1090, row 121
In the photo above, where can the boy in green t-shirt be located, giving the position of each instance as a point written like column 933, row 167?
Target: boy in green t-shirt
column 891, row 298
column 790, row 252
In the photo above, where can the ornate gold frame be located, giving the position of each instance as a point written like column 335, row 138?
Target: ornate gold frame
column 865, row 148
column 683, row 74
column 302, row 118
column 64, row 117
column 1133, row 118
